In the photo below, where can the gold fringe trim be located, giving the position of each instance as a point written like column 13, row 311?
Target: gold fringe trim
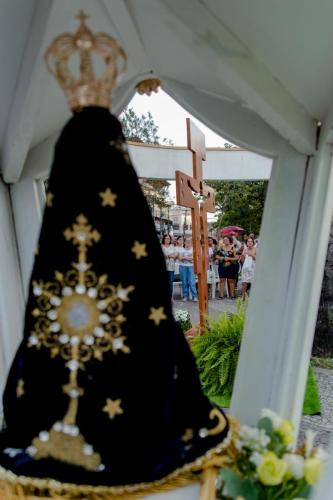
column 13, row 487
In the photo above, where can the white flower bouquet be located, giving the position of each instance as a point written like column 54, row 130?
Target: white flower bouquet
column 183, row 317
column 264, row 466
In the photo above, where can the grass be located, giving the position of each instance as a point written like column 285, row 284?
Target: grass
column 311, row 400
column 322, row 363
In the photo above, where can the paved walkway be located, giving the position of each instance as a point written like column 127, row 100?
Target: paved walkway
column 322, row 424
column 216, row 307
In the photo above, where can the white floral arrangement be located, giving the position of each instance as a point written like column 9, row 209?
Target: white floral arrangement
column 263, row 465
column 184, row 318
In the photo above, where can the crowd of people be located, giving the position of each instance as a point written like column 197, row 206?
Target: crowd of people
column 179, row 257
column 231, row 261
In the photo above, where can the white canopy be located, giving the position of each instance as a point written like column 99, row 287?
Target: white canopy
column 252, row 71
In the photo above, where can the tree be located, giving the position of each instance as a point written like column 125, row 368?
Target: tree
column 143, row 129
column 228, row 145
column 157, row 193
column 323, row 339
column 140, row 128
column 240, row 203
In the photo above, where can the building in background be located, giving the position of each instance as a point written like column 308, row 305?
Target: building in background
column 181, row 221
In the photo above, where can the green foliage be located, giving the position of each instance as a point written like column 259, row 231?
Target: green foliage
column 143, row 129
column 240, row 203
column 217, row 351
column 140, row 128
column 228, row 145
column 322, row 362
column 236, row 486
column 156, row 192
column 312, row 405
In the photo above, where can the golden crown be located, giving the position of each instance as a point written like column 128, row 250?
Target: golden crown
column 86, row 89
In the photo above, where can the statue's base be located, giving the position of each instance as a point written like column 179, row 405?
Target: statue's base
column 203, row 470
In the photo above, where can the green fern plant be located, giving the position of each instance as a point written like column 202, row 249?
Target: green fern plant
column 217, row 350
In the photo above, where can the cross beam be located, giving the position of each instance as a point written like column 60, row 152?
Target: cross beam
column 185, row 187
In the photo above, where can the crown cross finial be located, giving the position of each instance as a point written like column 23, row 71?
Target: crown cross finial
column 86, row 89
column 82, row 16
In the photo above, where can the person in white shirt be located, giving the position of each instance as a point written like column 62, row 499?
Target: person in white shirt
column 170, row 254
column 186, row 270
column 248, row 258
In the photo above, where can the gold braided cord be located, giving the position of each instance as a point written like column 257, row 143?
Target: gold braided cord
column 9, row 492
column 13, row 487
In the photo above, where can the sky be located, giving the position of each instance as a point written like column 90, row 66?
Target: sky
column 171, row 120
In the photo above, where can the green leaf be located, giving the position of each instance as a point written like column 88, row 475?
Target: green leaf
column 306, row 493
column 216, row 352
column 240, row 203
column 266, row 424
column 233, row 486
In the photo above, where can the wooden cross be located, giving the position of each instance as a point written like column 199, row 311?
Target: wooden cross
column 185, row 187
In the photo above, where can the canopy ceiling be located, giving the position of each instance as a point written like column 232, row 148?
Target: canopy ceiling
column 256, row 72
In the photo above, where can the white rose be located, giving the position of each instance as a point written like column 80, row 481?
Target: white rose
column 295, row 465
column 263, row 438
column 249, row 433
column 254, row 438
column 256, row 458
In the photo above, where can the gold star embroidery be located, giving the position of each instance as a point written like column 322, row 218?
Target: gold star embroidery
column 20, row 388
column 139, row 249
column 109, row 198
column 112, row 408
column 157, row 315
column 49, row 199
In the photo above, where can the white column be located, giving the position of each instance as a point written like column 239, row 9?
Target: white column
column 27, row 209
column 279, row 330
column 185, row 493
column 11, row 296
column 28, row 202
column 320, row 226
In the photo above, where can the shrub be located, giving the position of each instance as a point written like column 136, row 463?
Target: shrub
column 217, row 350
